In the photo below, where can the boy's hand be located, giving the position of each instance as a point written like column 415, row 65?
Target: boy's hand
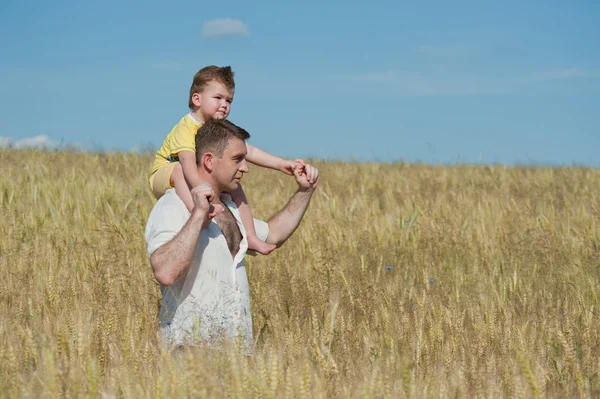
column 288, row 167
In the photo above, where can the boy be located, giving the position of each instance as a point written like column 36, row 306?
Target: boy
column 211, row 95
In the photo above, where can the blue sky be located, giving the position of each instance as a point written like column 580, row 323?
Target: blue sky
column 438, row 82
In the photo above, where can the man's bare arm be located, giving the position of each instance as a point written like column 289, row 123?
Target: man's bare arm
column 173, row 259
column 284, row 223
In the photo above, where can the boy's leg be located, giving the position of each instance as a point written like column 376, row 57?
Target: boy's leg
column 254, row 243
column 160, row 181
column 182, row 188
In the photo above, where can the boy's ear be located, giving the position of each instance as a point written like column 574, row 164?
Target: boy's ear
column 196, row 99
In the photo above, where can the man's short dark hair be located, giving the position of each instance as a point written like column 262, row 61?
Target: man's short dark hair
column 214, row 135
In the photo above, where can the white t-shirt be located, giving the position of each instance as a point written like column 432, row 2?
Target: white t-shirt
column 212, row 301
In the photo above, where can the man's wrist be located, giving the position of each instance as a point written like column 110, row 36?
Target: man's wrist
column 198, row 215
column 306, row 190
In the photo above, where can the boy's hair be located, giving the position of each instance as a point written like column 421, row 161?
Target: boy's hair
column 223, row 75
column 214, row 136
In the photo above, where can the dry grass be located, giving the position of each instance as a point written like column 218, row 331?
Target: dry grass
column 493, row 288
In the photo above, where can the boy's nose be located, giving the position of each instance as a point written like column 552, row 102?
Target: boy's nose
column 244, row 166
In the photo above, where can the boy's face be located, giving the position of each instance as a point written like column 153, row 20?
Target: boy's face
column 214, row 102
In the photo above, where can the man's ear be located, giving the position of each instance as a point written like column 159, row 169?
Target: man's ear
column 196, row 99
column 208, row 160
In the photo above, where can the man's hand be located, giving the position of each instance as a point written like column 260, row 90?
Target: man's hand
column 288, row 167
column 307, row 176
column 286, row 221
column 203, row 196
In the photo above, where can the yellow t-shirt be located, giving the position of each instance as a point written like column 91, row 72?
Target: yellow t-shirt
column 181, row 138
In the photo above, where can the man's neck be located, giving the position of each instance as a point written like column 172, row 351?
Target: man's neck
column 217, row 197
column 207, row 178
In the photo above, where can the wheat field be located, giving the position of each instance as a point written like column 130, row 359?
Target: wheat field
column 403, row 281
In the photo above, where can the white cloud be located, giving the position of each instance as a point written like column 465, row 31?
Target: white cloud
column 41, row 141
column 224, row 27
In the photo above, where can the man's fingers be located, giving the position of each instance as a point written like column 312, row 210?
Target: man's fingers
column 315, row 175
column 209, row 193
column 203, row 195
column 204, row 190
column 311, row 173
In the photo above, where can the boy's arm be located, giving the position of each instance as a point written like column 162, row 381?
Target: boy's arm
column 262, row 158
column 187, row 159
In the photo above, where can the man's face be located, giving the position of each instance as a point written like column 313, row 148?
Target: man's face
column 229, row 169
column 215, row 101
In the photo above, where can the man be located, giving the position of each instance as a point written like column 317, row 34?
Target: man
column 198, row 260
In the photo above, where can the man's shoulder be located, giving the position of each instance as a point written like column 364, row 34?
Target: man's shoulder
column 166, row 219
column 169, row 203
column 170, row 198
